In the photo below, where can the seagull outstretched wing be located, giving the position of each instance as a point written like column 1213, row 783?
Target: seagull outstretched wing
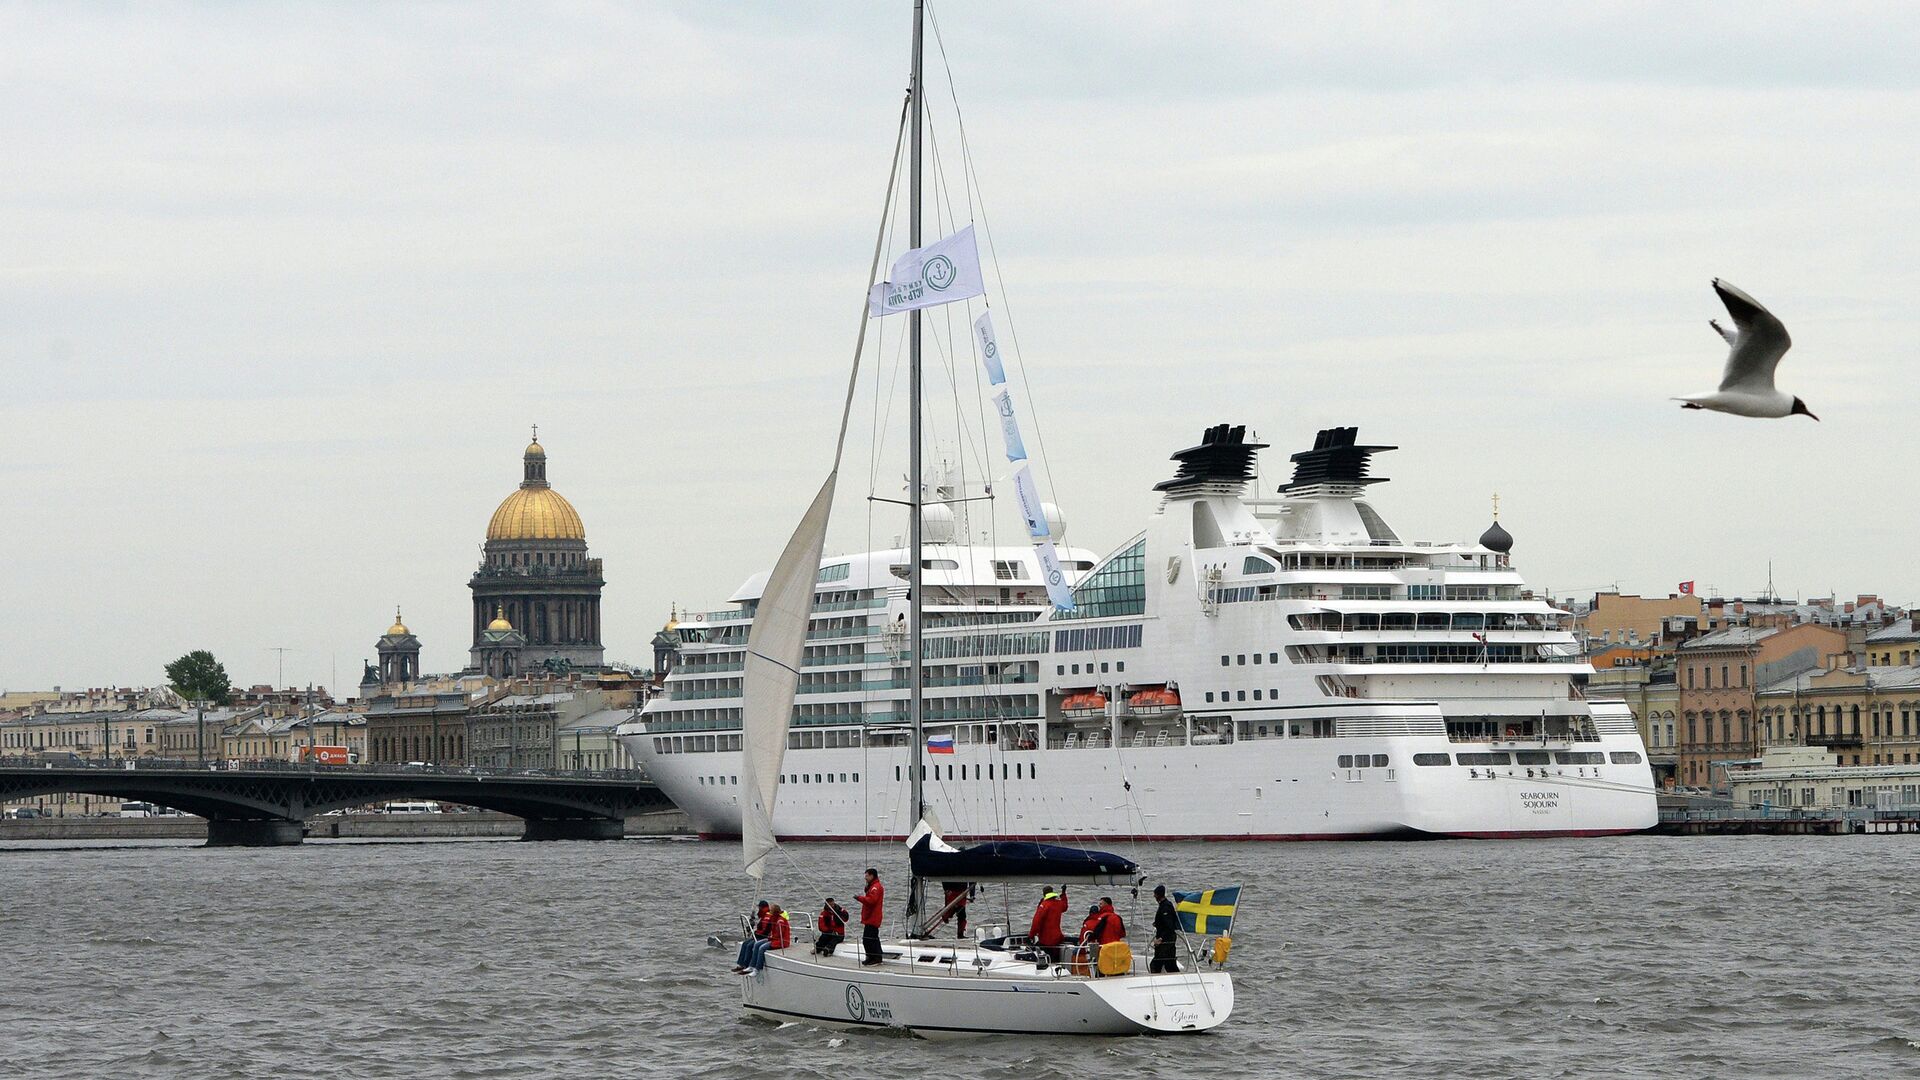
column 1759, row 343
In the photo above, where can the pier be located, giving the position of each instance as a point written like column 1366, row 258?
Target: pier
column 1727, row 821
column 268, row 804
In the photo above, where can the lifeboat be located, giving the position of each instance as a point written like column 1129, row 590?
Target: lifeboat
column 1086, row 705
column 1154, row 701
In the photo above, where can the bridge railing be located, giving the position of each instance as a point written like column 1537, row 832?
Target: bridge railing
column 159, row 764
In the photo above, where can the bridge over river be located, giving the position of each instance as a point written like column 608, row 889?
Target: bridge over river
column 264, row 803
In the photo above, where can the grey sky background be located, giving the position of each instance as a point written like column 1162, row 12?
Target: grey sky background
column 283, row 286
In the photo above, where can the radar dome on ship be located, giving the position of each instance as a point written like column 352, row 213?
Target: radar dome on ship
column 936, row 523
column 1056, row 519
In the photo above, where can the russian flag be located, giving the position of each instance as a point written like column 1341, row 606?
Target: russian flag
column 939, row 744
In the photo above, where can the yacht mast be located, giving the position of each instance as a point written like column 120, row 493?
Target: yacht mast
column 916, row 905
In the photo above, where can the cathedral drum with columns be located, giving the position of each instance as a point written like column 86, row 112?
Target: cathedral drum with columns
column 536, row 583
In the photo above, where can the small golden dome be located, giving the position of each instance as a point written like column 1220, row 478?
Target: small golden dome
column 673, row 619
column 536, row 513
column 534, row 449
column 499, row 620
column 398, row 629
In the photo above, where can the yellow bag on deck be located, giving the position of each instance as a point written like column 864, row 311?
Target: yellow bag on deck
column 1221, row 945
column 1115, row 958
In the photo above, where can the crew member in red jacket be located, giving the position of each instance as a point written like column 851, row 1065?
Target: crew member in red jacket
column 832, row 924
column 871, row 900
column 753, row 954
column 1090, row 927
column 956, row 891
column 1045, row 931
column 1111, row 928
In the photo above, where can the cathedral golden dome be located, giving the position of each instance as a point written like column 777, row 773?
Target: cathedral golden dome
column 499, row 620
column 398, row 629
column 536, row 511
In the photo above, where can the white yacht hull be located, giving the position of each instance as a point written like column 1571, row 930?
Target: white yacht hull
column 1271, row 789
column 943, row 999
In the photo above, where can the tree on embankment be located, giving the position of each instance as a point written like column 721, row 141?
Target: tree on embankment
column 197, row 676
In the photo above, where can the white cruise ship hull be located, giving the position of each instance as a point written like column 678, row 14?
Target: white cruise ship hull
column 1278, row 789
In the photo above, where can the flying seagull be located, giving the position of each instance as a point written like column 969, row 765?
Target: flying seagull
column 1757, row 343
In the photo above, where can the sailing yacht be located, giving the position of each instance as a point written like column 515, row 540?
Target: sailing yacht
column 1005, row 985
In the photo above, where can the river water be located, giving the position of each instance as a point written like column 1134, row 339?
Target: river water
column 1641, row 956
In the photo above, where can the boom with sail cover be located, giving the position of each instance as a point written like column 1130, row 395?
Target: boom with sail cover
column 934, row 859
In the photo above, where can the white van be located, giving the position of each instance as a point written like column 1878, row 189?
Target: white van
column 411, row 808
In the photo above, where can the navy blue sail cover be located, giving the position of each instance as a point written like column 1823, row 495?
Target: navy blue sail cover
column 1019, row 860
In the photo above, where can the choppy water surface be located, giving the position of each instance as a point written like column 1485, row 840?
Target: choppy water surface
column 1724, row 957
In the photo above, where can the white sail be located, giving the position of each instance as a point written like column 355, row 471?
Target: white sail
column 773, row 674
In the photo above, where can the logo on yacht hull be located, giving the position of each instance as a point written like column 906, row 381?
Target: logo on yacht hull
column 856, row 1002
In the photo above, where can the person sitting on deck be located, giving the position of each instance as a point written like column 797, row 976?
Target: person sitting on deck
column 759, row 930
column 1045, row 931
column 1087, row 944
column 833, row 927
column 753, row 954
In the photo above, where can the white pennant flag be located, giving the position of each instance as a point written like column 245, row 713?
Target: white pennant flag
column 939, row 273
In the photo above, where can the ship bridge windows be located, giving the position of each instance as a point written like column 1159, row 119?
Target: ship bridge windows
column 1256, row 565
column 1118, row 587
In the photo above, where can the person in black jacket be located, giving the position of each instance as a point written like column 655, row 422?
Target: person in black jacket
column 1166, row 934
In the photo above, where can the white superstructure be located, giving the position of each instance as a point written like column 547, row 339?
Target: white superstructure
column 1243, row 669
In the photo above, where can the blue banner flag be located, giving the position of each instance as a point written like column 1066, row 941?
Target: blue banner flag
column 1209, row 911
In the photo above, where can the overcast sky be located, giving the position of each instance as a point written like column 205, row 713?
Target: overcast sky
column 282, row 288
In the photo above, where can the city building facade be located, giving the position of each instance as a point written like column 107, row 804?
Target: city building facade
column 1719, row 675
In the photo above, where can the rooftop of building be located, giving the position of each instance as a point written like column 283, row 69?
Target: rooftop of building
column 1899, row 630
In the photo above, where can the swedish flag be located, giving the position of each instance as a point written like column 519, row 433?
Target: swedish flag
column 1209, row 911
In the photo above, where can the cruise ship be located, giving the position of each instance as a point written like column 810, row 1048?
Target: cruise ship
column 1245, row 668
